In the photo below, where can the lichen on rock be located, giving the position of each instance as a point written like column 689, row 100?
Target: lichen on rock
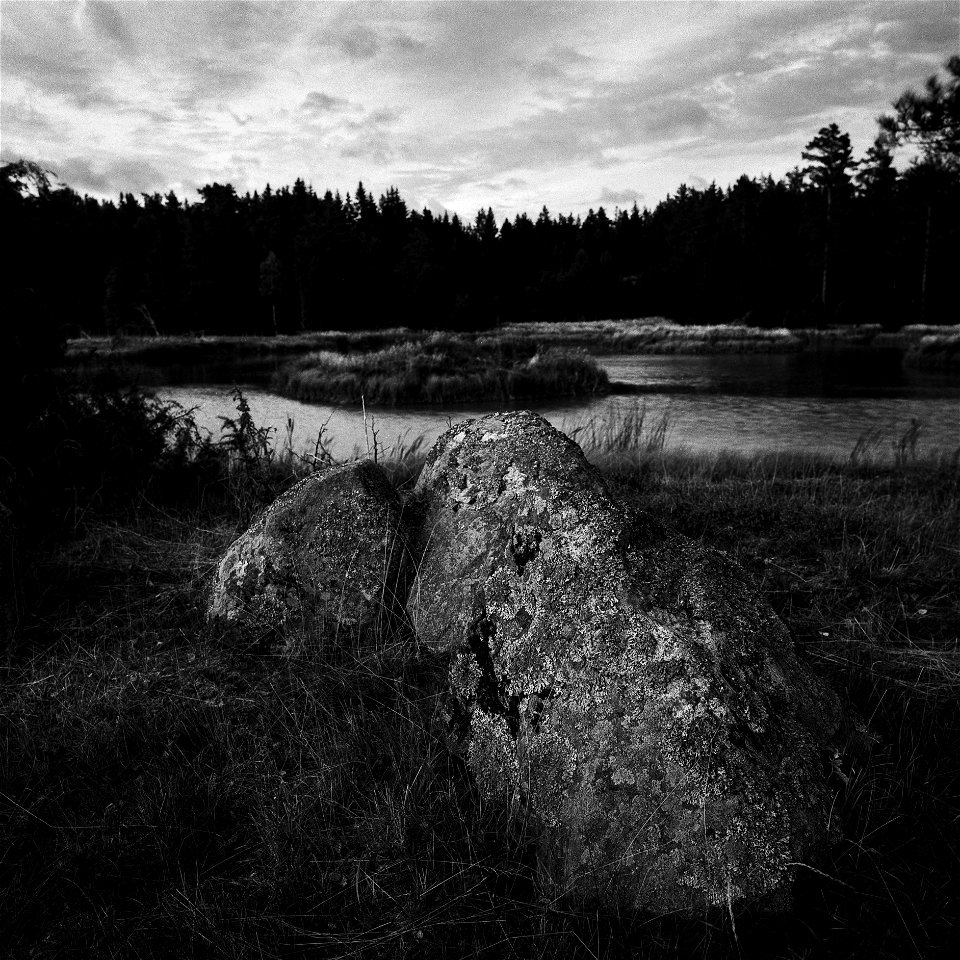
column 329, row 556
column 626, row 684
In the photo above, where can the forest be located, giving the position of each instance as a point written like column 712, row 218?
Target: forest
column 838, row 239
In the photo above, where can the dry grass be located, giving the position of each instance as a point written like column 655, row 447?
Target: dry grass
column 201, row 349
column 443, row 369
column 169, row 790
column 655, row 335
column 646, row 335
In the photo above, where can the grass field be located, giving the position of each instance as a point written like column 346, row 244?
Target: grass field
column 169, row 790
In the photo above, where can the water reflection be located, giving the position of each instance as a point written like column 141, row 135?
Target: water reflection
column 839, row 373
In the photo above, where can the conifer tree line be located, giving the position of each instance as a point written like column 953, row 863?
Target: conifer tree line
column 838, row 239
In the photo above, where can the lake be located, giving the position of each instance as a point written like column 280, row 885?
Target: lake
column 805, row 402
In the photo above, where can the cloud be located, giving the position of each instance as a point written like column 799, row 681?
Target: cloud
column 47, row 60
column 620, row 197
column 239, row 120
column 383, row 116
column 366, row 139
column 79, row 173
column 317, row 103
column 209, row 77
column 359, row 43
column 587, row 128
column 108, row 20
column 22, row 116
column 404, row 43
column 510, row 183
column 672, row 117
column 130, row 176
column 918, row 31
column 562, row 65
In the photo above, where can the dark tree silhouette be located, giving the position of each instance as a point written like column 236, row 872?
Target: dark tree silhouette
column 831, row 157
column 762, row 250
column 931, row 122
column 270, row 284
column 876, row 174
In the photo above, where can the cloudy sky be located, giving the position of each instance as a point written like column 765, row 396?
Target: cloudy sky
column 459, row 104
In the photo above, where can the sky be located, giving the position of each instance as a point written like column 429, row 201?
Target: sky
column 461, row 105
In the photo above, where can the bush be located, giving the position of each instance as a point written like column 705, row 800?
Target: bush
column 99, row 447
column 104, row 453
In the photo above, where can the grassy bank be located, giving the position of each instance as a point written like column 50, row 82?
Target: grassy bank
column 657, row 335
column 200, row 349
column 440, row 369
column 660, row 336
column 166, row 790
column 651, row 335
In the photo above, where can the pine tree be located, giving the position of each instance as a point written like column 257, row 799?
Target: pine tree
column 831, row 157
column 930, row 121
column 876, row 174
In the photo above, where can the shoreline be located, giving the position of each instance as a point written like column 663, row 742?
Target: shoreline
column 635, row 337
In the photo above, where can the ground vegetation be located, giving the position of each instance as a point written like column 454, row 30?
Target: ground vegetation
column 168, row 788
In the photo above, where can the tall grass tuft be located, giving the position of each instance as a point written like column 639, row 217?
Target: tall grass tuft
column 935, row 351
column 621, row 429
column 442, row 369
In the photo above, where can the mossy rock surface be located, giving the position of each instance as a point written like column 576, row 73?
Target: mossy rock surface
column 329, row 557
column 625, row 684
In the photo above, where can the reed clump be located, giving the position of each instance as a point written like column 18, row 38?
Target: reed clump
column 935, row 351
column 442, row 369
column 655, row 335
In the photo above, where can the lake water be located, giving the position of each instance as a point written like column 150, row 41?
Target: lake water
column 807, row 402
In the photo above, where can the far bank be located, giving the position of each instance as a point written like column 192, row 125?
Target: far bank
column 650, row 335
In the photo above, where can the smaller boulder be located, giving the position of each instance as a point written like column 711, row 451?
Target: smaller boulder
column 329, row 556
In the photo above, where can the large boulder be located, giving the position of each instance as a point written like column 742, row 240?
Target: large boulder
column 625, row 685
column 328, row 556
